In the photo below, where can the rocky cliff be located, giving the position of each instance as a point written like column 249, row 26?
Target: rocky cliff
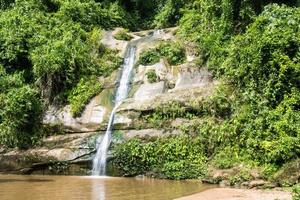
column 72, row 151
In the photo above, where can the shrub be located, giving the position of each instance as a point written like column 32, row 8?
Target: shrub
column 123, row 35
column 94, row 14
column 20, row 117
column 175, row 158
column 151, row 76
column 264, row 61
column 169, row 13
column 296, row 192
column 82, row 93
column 240, row 177
column 48, row 46
column 225, row 158
column 172, row 51
column 149, row 57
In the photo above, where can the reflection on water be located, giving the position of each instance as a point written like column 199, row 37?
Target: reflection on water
column 95, row 188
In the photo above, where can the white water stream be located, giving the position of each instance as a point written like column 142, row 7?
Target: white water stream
column 99, row 162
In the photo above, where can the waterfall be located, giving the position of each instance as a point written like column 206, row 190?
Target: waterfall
column 99, row 162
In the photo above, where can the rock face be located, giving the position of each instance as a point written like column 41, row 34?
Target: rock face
column 183, row 96
column 72, row 153
column 147, row 133
column 94, row 114
column 128, row 114
column 193, row 78
column 109, row 41
column 55, row 151
column 149, row 90
column 159, row 68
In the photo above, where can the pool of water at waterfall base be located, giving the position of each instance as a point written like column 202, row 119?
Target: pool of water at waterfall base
column 17, row 187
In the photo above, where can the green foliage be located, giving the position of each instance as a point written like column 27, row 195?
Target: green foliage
column 265, row 69
column 219, row 105
column 53, row 49
column 296, row 192
column 265, row 60
column 149, row 57
column 169, row 13
column 169, row 111
column 173, row 52
column 151, row 76
column 209, row 24
column 240, row 177
column 82, row 93
column 175, row 158
column 8, row 82
column 91, row 14
column 226, row 158
column 46, row 48
column 154, row 13
column 123, row 35
column 212, row 24
column 21, row 109
column 18, row 25
column 268, row 171
column 4, row 4
column 262, row 67
column 58, row 63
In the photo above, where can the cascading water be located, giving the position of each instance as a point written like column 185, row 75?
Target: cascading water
column 99, row 162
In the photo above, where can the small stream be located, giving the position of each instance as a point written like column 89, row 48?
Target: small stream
column 32, row 187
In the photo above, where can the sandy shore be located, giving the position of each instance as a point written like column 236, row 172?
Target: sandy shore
column 239, row 194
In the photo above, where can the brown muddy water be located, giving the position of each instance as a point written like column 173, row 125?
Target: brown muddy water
column 14, row 187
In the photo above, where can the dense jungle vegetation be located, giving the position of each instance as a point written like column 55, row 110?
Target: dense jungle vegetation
column 50, row 54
